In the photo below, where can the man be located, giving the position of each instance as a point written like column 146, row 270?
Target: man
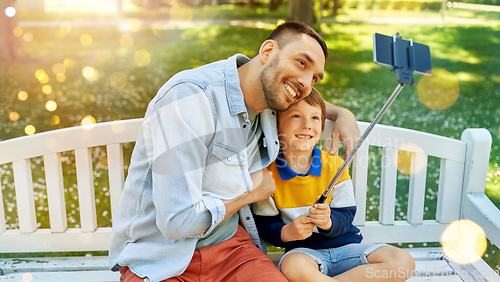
column 200, row 157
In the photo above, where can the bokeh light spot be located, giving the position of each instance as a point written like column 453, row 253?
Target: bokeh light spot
column 10, row 11
column 27, row 277
column 28, row 37
column 18, row 32
column 126, row 41
column 90, row 73
column 134, row 25
column 118, row 80
column 59, row 68
column 14, row 116
column 88, row 99
column 181, row 12
column 69, row 63
column 86, row 39
column 65, row 27
column 88, row 122
column 464, row 241
column 22, row 95
column 60, row 77
column 51, row 106
column 438, row 91
column 43, row 78
column 142, row 58
column 47, row 89
column 55, row 119
column 29, row 129
column 403, row 159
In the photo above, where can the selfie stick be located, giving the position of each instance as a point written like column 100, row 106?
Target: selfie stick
column 404, row 76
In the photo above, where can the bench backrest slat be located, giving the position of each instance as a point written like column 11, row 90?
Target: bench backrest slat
column 450, row 191
column 416, row 194
column 116, row 174
column 86, row 196
column 3, row 221
column 55, row 192
column 24, row 196
column 359, row 179
column 388, row 183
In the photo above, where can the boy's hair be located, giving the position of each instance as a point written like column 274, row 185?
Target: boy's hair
column 313, row 99
column 294, row 29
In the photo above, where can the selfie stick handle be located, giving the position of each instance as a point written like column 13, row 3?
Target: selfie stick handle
column 344, row 165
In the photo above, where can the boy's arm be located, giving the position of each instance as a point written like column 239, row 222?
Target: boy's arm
column 341, row 221
column 269, row 228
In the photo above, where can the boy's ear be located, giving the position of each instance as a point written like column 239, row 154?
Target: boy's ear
column 266, row 49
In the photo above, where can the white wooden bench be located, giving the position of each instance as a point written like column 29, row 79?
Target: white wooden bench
column 462, row 174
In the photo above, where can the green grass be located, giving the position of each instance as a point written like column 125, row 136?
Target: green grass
column 469, row 52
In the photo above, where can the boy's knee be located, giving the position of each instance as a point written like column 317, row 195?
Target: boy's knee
column 297, row 266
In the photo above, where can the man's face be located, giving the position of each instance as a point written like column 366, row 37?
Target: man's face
column 290, row 72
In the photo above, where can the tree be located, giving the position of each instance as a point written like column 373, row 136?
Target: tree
column 9, row 43
column 302, row 11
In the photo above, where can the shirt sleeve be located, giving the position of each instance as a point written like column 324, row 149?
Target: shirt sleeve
column 269, row 228
column 177, row 132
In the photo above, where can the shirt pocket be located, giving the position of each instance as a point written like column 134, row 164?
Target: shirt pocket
column 226, row 173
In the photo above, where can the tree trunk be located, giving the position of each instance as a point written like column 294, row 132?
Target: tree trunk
column 302, row 11
column 336, row 6
column 9, row 43
column 274, row 4
column 251, row 4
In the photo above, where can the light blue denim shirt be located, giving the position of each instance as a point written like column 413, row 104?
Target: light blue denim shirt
column 189, row 155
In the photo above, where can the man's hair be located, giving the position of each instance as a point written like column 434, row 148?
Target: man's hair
column 315, row 99
column 295, row 28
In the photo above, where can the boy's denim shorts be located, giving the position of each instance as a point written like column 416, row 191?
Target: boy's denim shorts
column 335, row 261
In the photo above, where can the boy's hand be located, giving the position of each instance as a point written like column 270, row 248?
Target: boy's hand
column 299, row 229
column 320, row 216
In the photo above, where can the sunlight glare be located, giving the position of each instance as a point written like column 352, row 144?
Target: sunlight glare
column 181, row 12
column 88, row 99
column 60, row 77
column 55, row 119
column 29, row 129
column 464, row 241
column 59, row 68
column 403, row 159
column 86, row 39
column 69, row 63
column 47, row 89
column 51, row 106
column 27, row 277
column 118, row 80
column 65, row 27
column 126, row 41
column 14, row 116
column 28, row 37
column 438, row 91
column 142, row 58
column 10, row 11
column 88, row 122
column 134, row 25
column 90, row 73
column 22, row 95
column 18, row 32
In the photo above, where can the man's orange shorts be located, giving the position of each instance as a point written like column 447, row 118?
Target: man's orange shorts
column 236, row 259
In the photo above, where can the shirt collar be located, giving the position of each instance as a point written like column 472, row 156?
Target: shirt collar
column 234, row 95
column 286, row 173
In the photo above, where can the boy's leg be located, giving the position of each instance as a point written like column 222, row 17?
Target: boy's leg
column 304, row 264
column 386, row 263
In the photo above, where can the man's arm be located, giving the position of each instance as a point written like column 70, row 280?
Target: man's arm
column 345, row 128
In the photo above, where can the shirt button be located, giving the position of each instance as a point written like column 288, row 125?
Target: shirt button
column 273, row 112
column 244, row 126
column 276, row 142
column 247, row 218
column 244, row 115
column 229, row 158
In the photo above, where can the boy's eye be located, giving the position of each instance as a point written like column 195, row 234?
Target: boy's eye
column 315, row 117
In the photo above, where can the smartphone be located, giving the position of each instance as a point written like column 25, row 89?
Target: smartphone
column 395, row 52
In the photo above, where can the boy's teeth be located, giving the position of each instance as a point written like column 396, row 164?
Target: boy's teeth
column 291, row 90
column 303, row 136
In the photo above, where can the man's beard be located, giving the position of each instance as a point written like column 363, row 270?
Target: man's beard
column 271, row 87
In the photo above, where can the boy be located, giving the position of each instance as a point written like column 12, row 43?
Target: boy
column 320, row 241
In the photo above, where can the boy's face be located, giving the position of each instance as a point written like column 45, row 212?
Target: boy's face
column 299, row 127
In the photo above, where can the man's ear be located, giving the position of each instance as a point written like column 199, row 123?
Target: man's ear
column 266, row 49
